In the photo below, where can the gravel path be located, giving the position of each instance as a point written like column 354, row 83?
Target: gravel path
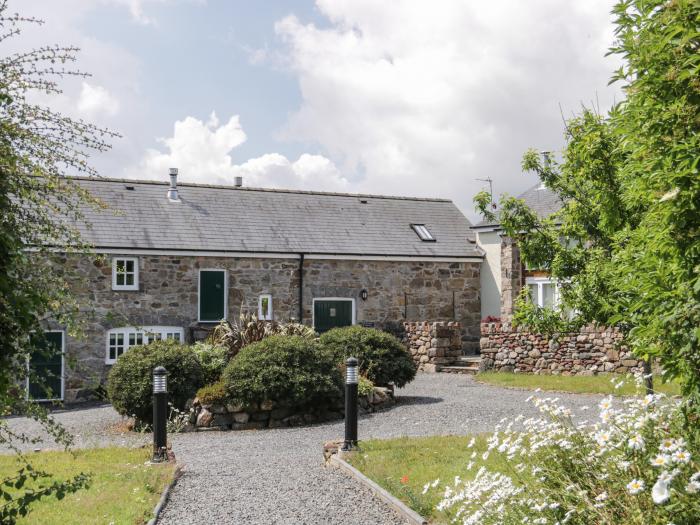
column 277, row 476
column 91, row 426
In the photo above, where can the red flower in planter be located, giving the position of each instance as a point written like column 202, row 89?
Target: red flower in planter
column 404, row 480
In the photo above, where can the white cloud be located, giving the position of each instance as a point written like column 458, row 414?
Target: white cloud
column 428, row 96
column 202, row 152
column 96, row 100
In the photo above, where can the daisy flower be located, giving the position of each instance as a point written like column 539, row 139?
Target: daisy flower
column 635, row 486
column 681, row 456
column 660, row 460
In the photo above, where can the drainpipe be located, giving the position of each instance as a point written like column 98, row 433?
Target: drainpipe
column 301, row 288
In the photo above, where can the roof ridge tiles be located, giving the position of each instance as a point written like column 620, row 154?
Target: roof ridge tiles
column 268, row 190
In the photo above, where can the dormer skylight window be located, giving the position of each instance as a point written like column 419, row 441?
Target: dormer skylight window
column 423, row 232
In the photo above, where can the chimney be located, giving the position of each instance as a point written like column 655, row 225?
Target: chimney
column 238, row 181
column 547, row 158
column 172, row 191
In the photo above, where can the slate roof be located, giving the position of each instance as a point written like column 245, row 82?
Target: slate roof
column 539, row 199
column 227, row 218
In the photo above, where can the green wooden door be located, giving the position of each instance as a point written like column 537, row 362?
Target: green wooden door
column 212, row 295
column 46, row 368
column 332, row 313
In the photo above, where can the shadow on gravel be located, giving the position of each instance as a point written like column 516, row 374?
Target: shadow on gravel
column 418, row 400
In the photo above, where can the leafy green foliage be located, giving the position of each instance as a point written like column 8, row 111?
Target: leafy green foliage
column 213, row 394
column 130, row 382
column 249, row 329
column 365, row 387
column 626, row 245
column 38, row 208
column 292, row 371
column 383, row 359
column 213, row 359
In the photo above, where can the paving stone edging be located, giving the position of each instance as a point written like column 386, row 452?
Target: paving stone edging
column 400, row 507
column 165, row 495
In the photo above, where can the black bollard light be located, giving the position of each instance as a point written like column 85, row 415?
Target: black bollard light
column 350, row 404
column 160, row 414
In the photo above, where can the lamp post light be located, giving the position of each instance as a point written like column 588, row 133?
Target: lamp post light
column 350, row 404
column 160, row 414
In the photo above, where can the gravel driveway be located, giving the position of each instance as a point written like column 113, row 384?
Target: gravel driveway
column 277, row 476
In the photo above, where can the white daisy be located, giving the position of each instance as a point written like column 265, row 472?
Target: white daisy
column 681, row 456
column 636, row 442
column 635, row 486
column 660, row 460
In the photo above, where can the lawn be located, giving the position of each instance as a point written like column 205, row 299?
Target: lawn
column 122, row 490
column 404, row 465
column 600, row 384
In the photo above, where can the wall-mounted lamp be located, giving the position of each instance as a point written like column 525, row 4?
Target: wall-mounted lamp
column 364, row 294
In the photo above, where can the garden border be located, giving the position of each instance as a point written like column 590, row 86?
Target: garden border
column 411, row 516
column 165, row 495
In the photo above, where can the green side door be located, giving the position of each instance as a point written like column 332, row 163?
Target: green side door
column 332, row 313
column 212, row 295
column 46, row 368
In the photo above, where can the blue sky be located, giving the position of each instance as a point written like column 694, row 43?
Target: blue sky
column 403, row 97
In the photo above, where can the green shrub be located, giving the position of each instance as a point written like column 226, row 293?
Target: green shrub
column 365, row 387
column 383, row 358
column 214, row 394
column 213, row 359
column 293, row 372
column 130, row 382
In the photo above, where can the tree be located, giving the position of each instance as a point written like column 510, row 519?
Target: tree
column 626, row 244
column 38, row 211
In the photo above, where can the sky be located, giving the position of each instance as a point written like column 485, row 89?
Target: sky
column 405, row 97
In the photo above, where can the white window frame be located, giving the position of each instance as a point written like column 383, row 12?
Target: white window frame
column 115, row 261
column 261, row 315
column 424, row 234
column 63, row 370
column 540, row 282
column 158, row 332
column 313, row 308
column 199, row 293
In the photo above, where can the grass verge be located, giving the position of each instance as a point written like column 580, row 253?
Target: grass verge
column 403, row 466
column 122, row 489
column 600, row 384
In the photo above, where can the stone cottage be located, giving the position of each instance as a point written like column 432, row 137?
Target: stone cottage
column 503, row 276
column 171, row 260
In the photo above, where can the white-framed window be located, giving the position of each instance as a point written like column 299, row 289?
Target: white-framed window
column 423, row 232
column 265, row 307
column 125, row 273
column 119, row 340
column 544, row 291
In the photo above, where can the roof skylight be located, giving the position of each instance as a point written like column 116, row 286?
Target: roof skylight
column 423, row 232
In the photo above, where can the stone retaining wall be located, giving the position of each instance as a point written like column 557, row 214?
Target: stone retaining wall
column 588, row 352
column 433, row 344
column 267, row 415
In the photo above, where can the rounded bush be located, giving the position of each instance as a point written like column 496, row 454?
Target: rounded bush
column 383, row 358
column 291, row 371
column 130, row 382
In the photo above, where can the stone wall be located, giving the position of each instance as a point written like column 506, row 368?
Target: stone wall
column 266, row 415
column 433, row 344
column 511, row 277
column 168, row 296
column 589, row 352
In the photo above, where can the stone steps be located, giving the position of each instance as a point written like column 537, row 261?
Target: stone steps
column 462, row 365
column 459, row 369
